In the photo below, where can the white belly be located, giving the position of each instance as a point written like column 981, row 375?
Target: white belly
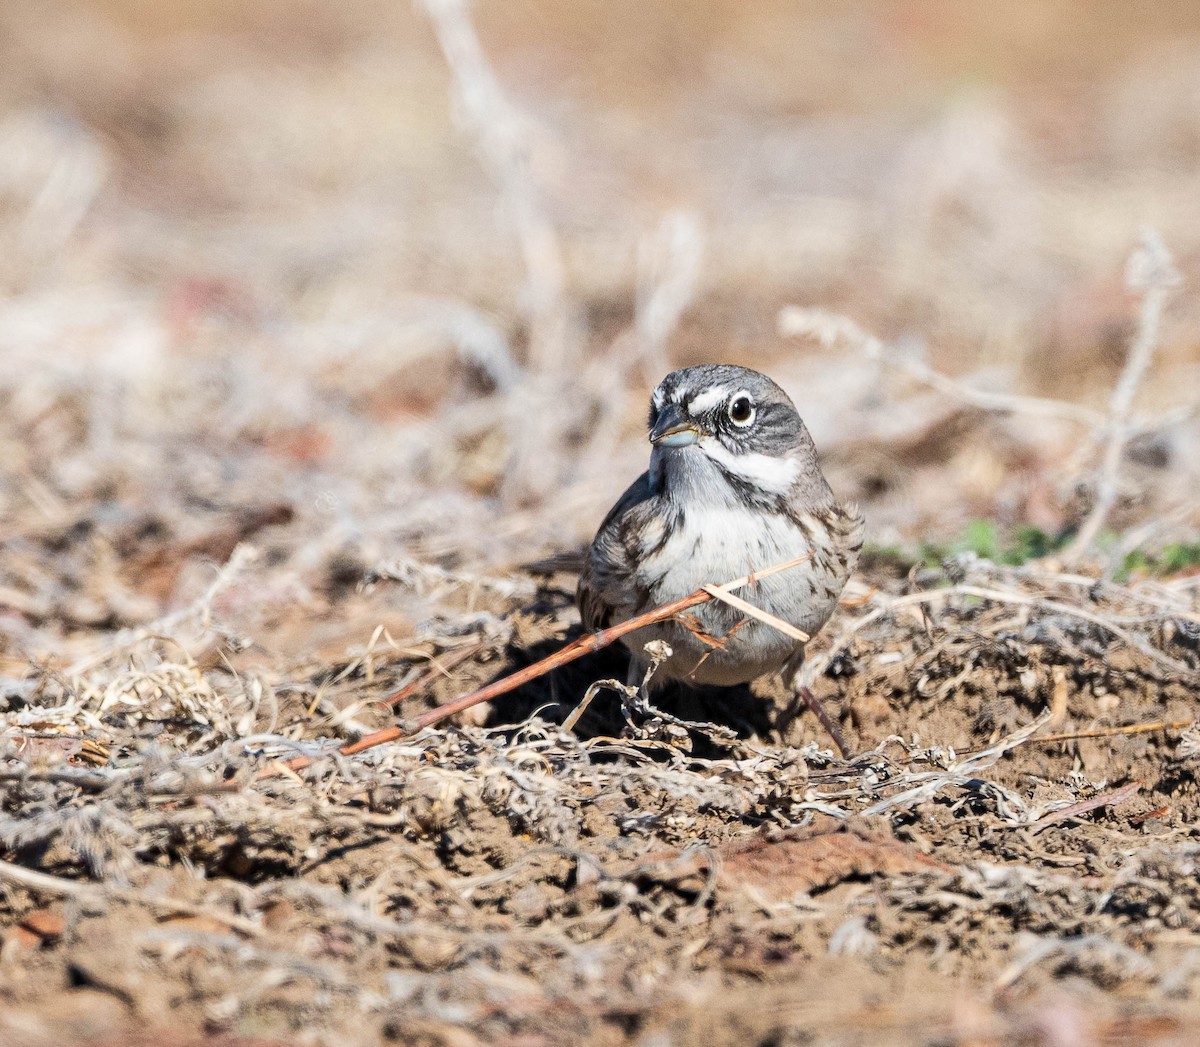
column 727, row 543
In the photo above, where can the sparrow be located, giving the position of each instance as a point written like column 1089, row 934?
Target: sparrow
column 734, row 487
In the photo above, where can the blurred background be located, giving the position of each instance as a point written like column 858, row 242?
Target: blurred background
column 369, row 280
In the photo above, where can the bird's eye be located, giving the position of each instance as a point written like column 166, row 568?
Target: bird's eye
column 741, row 410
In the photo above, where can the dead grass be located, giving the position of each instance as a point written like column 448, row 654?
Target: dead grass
column 326, row 345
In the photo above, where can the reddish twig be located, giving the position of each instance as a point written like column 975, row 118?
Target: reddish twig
column 1110, row 799
column 436, row 669
column 576, row 649
column 826, row 721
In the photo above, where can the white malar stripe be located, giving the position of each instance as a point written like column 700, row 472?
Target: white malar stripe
column 773, row 475
column 704, row 402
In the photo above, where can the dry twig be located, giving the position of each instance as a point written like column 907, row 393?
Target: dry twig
column 1152, row 272
column 668, row 271
column 719, row 592
column 577, row 649
column 1109, row 799
column 888, row 605
column 496, row 126
column 437, row 668
column 1104, row 732
column 96, row 893
column 830, row 328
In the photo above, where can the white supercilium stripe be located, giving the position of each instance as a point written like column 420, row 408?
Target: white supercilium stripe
column 704, row 402
column 772, row 475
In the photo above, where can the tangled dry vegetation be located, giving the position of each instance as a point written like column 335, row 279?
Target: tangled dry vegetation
column 250, row 516
column 646, row 877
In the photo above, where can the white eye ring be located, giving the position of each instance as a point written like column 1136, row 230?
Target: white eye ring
column 741, row 410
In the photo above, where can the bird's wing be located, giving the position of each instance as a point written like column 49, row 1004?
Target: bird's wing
column 608, row 590
column 847, row 527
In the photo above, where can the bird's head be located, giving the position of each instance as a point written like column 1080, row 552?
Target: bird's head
column 732, row 433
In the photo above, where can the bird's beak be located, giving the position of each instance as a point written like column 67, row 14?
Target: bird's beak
column 673, row 430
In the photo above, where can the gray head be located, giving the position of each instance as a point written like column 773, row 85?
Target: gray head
column 731, row 433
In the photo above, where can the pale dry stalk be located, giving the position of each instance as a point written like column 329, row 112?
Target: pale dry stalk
column 93, row 894
column 497, row 127
column 890, row 604
column 830, row 329
column 669, row 263
column 1152, row 272
column 243, row 557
